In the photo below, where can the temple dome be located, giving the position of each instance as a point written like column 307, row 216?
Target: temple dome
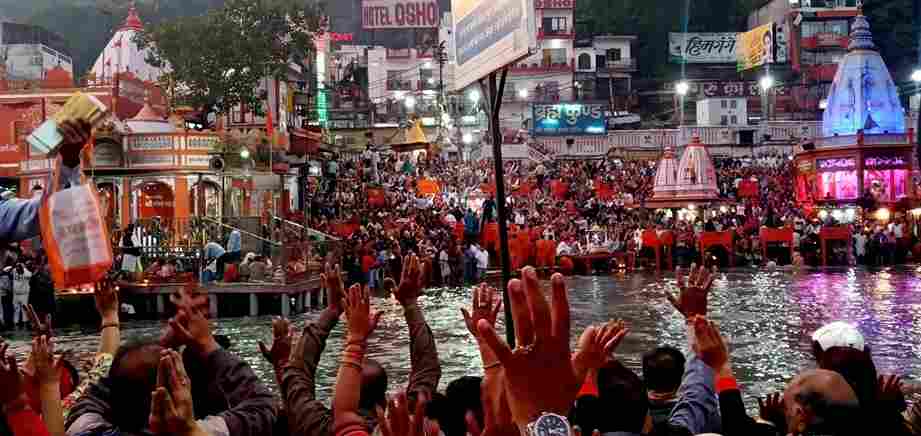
column 696, row 174
column 863, row 95
column 666, row 181
column 122, row 54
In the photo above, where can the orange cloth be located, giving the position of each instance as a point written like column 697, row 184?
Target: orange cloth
column 567, row 265
column 427, row 187
column 546, row 253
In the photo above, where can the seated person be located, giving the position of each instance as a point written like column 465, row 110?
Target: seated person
column 258, row 269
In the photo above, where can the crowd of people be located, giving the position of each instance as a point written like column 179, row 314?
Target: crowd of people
column 185, row 383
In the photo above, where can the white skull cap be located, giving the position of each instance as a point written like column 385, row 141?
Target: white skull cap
column 839, row 334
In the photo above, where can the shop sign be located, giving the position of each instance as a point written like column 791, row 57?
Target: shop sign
column 107, row 154
column 32, row 165
column 197, row 160
column 152, row 160
column 885, row 162
column 844, row 163
column 702, row 48
column 569, row 119
column 397, row 14
column 152, row 143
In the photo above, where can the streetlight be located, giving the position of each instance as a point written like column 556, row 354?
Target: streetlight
column 244, row 154
column 766, row 82
column 916, row 77
column 474, row 96
column 523, row 93
column 410, row 102
column 467, row 138
column 681, row 88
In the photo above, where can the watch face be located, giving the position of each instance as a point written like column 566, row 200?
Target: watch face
column 551, row 425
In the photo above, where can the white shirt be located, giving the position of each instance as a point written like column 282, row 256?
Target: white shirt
column 898, row 230
column 482, row 259
column 860, row 244
column 563, row 249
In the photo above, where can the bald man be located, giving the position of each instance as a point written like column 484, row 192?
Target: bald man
column 821, row 402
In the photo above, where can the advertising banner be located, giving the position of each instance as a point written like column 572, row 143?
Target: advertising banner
column 565, row 119
column 490, row 34
column 702, row 48
column 399, row 14
column 756, row 47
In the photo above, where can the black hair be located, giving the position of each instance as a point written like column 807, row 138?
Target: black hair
column 855, row 366
column 463, row 395
column 373, row 386
column 131, row 378
column 621, row 389
column 663, row 369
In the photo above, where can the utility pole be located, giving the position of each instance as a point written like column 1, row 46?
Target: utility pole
column 442, row 59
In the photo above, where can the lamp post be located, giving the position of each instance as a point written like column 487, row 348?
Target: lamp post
column 916, row 77
column 681, row 88
column 766, row 83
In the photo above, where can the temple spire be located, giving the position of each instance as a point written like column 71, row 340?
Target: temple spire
column 861, row 37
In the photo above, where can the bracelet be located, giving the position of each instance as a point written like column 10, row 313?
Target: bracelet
column 109, row 325
column 350, row 364
column 495, row 364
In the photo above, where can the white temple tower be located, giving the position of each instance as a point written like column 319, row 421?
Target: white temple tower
column 122, row 55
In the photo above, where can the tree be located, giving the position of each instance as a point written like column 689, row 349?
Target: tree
column 215, row 61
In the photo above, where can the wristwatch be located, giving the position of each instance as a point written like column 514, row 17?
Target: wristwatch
column 549, row 424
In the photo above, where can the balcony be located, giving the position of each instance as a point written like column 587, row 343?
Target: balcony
column 425, row 85
column 543, row 67
column 399, row 85
column 621, row 66
column 820, row 73
column 554, row 4
column 555, row 33
column 825, row 40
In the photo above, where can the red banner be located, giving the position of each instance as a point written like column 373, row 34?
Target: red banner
column 748, row 189
column 156, row 200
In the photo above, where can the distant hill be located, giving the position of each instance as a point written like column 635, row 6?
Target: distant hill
column 88, row 24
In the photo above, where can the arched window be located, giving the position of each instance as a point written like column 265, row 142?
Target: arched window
column 585, row 61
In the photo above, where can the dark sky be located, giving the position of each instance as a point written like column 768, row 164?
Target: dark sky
column 345, row 17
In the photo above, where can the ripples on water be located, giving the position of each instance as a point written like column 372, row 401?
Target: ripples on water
column 767, row 317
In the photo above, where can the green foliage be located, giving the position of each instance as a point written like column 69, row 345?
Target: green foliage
column 89, row 24
column 218, row 59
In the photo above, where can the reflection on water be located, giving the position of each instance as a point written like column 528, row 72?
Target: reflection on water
column 767, row 317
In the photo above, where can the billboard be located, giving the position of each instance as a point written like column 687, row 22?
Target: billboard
column 702, row 48
column 565, row 119
column 756, row 47
column 490, row 34
column 399, row 14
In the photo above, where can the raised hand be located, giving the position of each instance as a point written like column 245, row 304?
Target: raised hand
column 335, row 288
column 692, row 299
column 709, row 345
column 10, row 378
column 171, row 410
column 542, row 353
column 46, row 366
column 190, row 327
column 358, row 311
column 486, row 305
column 399, row 423
column 282, row 337
column 40, row 326
column 76, row 134
column 890, row 391
column 106, row 296
column 771, row 409
column 596, row 346
column 407, row 292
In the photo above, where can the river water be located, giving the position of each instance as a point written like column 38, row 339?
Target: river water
column 767, row 317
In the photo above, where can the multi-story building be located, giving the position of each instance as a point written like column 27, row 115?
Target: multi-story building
column 604, row 70
column 29, row 52
column 816, row 34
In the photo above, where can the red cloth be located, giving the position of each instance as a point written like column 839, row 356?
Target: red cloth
column 366, row 263
column 603, row 191
column 748, row 189
column 546, row 253
column 559, row 189
column 231, row 274
column 26, row 423
column 567, row 265
column 30, row 386
column 376, row 197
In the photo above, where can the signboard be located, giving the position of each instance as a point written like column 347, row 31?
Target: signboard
column 554, row 4
column 712, row 89
column 566, row 119
column 197, row 160
column 107, row 154
column 489, row 34
column 10, row 153
column 28, row 166
column 756, row 47
column 702, row 48
column 153, row 160
column 844, row 163
column 399, row 14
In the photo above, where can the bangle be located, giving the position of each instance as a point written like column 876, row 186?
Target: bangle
column 495, row 364
column 109, row 325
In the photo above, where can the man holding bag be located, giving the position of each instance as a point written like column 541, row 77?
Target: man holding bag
column 19, row 217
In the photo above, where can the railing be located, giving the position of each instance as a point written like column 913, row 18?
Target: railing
column 623, row 65
column 791, row 130
column 537, row 155
column 560, row 67
column 555, row 33
column 655, row 138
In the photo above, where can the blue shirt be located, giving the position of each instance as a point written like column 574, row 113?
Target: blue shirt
column 233, row 242
column 19, row 217
column 213, row 250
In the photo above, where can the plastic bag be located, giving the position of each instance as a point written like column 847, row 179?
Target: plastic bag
column 74, row 234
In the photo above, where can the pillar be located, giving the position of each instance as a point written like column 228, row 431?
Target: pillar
column 253, row 305
column 126, row 202
column 285, row 306
column 299, row 302
column 181, row 199
column 212, row 305
column 161, row 305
